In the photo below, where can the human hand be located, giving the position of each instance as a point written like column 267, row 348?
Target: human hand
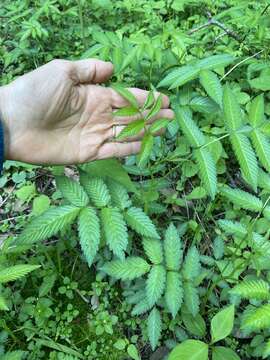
column 57, row 114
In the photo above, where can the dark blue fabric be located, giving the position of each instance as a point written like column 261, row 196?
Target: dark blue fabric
column 1, row 147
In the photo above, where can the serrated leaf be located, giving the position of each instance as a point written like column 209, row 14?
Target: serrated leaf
column 89, row 233
column 192, row 266
column 233, row 227
column 132, row 129
column 204, row 105
column 222, row 324
column 119, row 195
column 155, row 108
column 191, row 298
column 13, row 355
column 72, row 191
column 212, row 86
column 149, row 101
column 242, row 199
column 96, row 189
column 47, row 284
column 126, row 111
column 172, row 248
column 223, row 353
column 232, row 112
column 194, row 325
column 207, row 170
column 262, row 147
column 266, row 351
column 153, row 249
column 48, row 224
column 194, row 135
column 16, row 272
column 256, row 111
column 133, row 352
column 155, row 284
column 215, row 61
column 246, row 158
column 146, row 148
column 141, row 223
column 154, row 328
column 128, row 269
column 190, row 350
column 126, row 94
column 158, row 125
column 264, row 180
column 141, row 308
column 173, row 292
column 115, row 231
column 252, row 289
column 256, row 318
column 179, row 77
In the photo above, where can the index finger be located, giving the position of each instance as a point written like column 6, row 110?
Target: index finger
column 141, row 95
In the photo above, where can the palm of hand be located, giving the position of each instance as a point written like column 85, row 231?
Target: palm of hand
column 57, row 116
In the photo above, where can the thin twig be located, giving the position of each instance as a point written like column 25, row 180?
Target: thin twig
column 240, row 63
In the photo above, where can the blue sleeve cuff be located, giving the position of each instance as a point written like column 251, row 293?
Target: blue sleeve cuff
column 2, row 148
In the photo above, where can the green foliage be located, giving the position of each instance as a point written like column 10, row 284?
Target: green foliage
column 222, row 324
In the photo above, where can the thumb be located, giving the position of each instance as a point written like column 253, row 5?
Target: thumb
column 92, row 71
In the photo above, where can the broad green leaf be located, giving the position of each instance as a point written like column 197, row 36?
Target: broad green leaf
column 128, row 269
column 132, row 129
column 47, row 284
column 222, row 324
column 154, row 327
column 26, row 192
column 126, row 111
column 115, row 231
column 212, row 86
column 215, row 61
column 197, row 193
column 189, row 127
column 89, row 233
column 126, row 94
column 207, row 170
column 133, row 352
column 155, row 108
column 246, row 158
column 72, row 191
column 266, row 352
column 256, row 111
column 146, row 148
column 16, row 272
column 155, row 284
column 262, row 147
column 173, row 292
column 40, row 204
column 158, row 125
column 260, row 83
column 194, row 324
column 190, row 350
column 3, row 304
column 179, row 77
column 109, row 168
column 223, row 353
column 232, row 111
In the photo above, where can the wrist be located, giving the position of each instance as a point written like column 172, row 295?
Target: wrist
column 4, row 118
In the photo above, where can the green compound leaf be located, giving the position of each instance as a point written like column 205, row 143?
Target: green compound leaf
column 141, row 223
column 252, row 289
column 154, row 328
column 115, row 231
column 222, row 324
column 189, row 127
column 179, row 77
column 246, row 158
column 153, row 249
column 173, row 292
column 48, row 224
column 155, row 284
column 242, row 199
column 126, row 94
column 192, row 266
column 212, row 86
column 256, row 111
column 119, row 195
column 207, row 170
column 191, row 298
column 190, row 350
column 128, row 269
column 255, row 319
column 132, row 129
column 72, row 191
column 16, row 272
column 232, row 111
column 222, row 353
column 89, row 233
column 215, row 61
column 233, row 227
column 172, row 248
column 96, row 189
column 262, row 147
